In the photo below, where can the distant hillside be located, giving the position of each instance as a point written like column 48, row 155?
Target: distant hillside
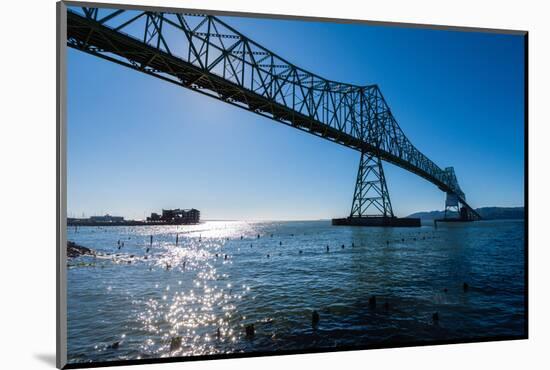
column 488, row 213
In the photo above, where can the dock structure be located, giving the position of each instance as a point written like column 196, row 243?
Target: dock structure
column 176, row 216
column 168, row 217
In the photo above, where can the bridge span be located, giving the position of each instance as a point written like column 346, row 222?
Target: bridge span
column 203, row 53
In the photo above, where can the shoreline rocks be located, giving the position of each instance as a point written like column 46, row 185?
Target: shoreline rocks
column 75, row 250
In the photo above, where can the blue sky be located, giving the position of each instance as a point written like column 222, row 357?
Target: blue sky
column 137, row 144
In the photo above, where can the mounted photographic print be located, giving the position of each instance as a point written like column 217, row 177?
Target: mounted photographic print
column 235, row 185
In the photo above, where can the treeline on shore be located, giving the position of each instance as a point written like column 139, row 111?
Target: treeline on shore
column 487, row 213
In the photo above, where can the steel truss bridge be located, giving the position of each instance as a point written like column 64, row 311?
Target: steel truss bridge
column 203, row 53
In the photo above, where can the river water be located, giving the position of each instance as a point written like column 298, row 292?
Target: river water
column 146, row 300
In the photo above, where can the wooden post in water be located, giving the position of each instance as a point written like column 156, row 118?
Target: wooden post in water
column 177, row 238
column 151, row 240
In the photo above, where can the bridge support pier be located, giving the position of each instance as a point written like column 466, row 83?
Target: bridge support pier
column 455, row 211
column 371, row 204
column 371, row 197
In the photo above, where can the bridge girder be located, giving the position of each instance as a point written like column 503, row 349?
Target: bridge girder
column 203, row 53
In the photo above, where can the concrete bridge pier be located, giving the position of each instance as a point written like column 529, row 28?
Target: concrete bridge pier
column 376, row 221
column 456, row 211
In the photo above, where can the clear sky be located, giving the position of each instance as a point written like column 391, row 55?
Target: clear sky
column 137, row 144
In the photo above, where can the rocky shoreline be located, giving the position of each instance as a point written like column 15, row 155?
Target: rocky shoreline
column 75, row 250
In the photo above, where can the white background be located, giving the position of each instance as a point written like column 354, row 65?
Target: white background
column 27, row 185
